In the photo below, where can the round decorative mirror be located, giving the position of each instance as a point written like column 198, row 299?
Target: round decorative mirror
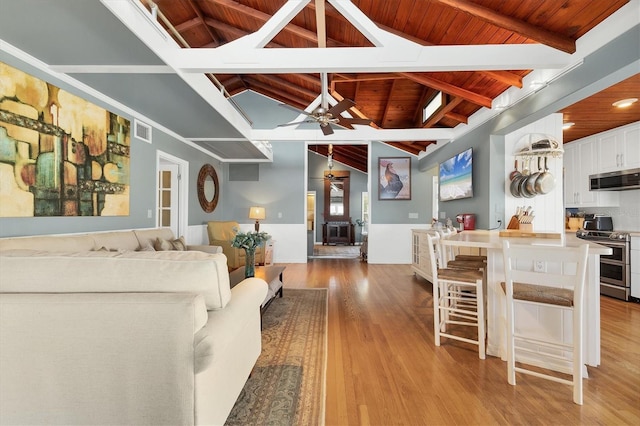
column 208, row 188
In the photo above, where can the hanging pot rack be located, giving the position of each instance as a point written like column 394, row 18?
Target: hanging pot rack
column 538, row 145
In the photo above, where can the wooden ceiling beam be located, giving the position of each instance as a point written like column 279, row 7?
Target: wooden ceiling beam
column 321, row 24
column 261, row 16
column 409, row 146
column 502, row 76
column 198, row 12
column 187, row 25
column 457, row 117
column 234, row 31
column 439, row 115
column 505, row 77
column 557, row 41
column 387, row 103
column 449, row 88
column 353, row 110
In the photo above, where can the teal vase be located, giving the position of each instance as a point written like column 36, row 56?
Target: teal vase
column 250, row 263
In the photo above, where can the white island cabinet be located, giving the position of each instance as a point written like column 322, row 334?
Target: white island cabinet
column 547, row 322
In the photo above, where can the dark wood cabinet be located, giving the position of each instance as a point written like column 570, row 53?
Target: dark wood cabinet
column 339, row 232
column 337, row 228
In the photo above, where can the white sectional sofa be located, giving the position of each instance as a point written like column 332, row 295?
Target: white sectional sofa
column 94, row 332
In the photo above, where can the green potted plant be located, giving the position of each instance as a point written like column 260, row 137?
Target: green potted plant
column 249, row 241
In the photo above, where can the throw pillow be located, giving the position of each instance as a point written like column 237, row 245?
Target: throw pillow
column 148, row 247
column 165, row 245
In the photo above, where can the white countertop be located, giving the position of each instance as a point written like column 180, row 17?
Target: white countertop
column 492, row 239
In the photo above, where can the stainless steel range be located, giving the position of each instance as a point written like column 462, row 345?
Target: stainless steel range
column 615, row 271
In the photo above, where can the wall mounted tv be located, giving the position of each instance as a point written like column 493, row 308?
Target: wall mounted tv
column 456, row 177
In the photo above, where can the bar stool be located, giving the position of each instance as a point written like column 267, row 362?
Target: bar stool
column 458, row 299
column 565, row 269
column 455, row 259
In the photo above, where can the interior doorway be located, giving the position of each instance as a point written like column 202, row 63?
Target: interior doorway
column 171, row 196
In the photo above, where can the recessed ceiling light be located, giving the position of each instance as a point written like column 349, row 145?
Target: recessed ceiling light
column 625, row 102
column 567, row 125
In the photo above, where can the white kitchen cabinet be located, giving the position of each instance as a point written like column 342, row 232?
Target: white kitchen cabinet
column 619, row 149
column 581, row 160
column 419, row 253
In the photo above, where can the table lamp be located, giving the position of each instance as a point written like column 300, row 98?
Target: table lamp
column 257, row 213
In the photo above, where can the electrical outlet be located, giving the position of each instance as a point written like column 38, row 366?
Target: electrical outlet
column 538, row 266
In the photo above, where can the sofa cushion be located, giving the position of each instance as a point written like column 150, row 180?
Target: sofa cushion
column 115, row 240
column 165, row 245
column 30, row 271
column 148, row 236
column 49, row 243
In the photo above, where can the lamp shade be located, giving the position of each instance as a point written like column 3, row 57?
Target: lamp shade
column 257, row 213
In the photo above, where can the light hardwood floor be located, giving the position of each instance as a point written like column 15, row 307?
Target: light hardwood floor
column 384, row 368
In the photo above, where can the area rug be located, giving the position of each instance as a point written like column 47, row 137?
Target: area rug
column 287, row 385
column 336, row 252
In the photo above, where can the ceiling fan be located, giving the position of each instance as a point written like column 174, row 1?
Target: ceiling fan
column 330, row 176
column 326, row 116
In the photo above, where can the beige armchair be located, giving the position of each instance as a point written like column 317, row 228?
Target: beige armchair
column 221, row 234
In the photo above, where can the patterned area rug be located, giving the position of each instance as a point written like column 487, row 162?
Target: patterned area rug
column 336, row 252
column 287, row 385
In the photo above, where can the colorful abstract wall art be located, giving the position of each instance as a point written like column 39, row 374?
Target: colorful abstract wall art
column 60, row 155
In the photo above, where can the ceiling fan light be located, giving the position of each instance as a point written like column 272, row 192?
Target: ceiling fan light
column 567, row 125
column 624, row 103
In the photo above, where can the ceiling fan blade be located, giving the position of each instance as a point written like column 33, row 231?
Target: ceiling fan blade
column 348, row 122
column 326, row 129
column 364, row 121
column 343, row 105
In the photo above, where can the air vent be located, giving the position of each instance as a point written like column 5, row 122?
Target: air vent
column 142, row 131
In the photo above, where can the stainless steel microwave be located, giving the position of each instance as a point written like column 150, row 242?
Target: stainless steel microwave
column 615, row 181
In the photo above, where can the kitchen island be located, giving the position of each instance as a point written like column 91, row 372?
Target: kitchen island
column 547, row 321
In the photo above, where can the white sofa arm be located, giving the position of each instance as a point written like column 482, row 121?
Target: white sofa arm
column 100, row 358
column 236, row 343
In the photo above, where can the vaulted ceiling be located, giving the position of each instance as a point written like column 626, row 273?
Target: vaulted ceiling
column 177, row 64
column 395, row 99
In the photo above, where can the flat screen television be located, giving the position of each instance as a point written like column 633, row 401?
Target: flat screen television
column 455, row 176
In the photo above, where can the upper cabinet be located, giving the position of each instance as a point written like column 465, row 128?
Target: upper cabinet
column 581, row 160
column 619, row 149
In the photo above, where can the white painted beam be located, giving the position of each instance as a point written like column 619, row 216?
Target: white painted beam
column 391, row 58
column 359, row 134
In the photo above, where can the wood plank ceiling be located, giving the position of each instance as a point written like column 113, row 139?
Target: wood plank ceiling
column 390, row 100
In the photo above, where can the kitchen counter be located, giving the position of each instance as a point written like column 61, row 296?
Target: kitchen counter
column 550, row 320
column 492, row 239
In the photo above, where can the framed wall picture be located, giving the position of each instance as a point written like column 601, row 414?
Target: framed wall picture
column 394, row 178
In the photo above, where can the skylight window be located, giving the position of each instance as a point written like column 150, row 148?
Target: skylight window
column 432, row 106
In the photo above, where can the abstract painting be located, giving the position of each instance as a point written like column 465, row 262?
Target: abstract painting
column 60, row 155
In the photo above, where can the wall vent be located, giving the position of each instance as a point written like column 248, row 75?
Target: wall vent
column 142, row 131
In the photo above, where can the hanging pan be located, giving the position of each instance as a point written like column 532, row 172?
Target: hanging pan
column 514, row 187
column 546, row 181
column 530, row 184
